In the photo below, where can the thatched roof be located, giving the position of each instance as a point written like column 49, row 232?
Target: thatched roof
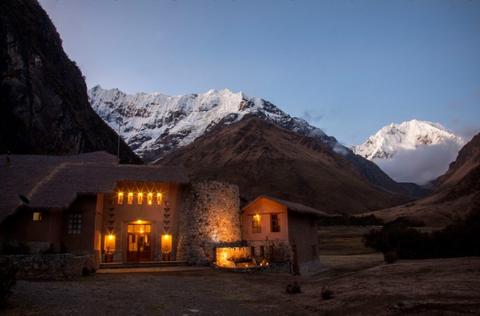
column 294, row 207
column 55, row 181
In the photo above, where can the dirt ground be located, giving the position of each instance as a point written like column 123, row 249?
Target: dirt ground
column 362, row 285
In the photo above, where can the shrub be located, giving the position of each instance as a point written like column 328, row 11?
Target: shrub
column 326, row 293
column 15, row 248
column 293, row 288
column 7, row 280
column 390, row 257
column 456, row 240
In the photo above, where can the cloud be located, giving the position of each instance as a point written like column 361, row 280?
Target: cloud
column 422, row 165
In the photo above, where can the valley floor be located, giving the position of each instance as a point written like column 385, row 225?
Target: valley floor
column 362, row 285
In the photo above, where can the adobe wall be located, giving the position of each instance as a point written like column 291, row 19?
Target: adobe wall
column 265, row 208
column 210, row 218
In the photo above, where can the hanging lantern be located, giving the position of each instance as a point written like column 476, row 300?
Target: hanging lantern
column 120, row 198
column 159, row 198
column 150, row 198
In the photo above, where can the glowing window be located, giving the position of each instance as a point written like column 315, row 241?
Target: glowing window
column 109, row 243
column 166, row 243
column 120, row 198
column 256, row 223
column 150, row 198
column 159, row 198
column 130, row 198
column 37, row 216
column 140, row 198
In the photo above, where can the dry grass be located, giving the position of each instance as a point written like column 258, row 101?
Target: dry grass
column 425, row 287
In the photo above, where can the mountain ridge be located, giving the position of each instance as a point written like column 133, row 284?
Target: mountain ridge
column 263, row 158
column 457, row 193
column 171, row 123
column 155, row 124
column 45, row 109
column 408, row 135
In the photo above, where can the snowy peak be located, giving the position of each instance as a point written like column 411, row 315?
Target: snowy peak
column 409, row 135
column 154, row 124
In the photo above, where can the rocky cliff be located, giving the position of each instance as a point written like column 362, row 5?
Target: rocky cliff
column 43, row 96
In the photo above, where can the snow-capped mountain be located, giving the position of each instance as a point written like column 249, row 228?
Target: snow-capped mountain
column 409, row 135
column 154, row 124
column 413, row 151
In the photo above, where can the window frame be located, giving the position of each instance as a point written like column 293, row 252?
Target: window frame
column 75, row 223
column 277, row 222
column 37, row 218
column 256, row 224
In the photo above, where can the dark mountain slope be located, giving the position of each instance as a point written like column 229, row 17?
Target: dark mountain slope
column 263, row 158
column 43, row 96
column 457, row 193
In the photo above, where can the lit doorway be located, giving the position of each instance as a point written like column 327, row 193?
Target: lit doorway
column 139, row 242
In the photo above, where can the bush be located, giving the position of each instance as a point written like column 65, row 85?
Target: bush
column 403, row 221
column 326, row 293
column 293, row 288
column 15, row 248
column 456, row 240
column 7, row 280
column 390, row 257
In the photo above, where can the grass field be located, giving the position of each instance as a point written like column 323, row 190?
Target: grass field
column 343, row 240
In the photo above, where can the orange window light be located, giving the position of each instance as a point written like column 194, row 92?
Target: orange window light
column 150, row 198
column 130, row 198
column 166, row 243
column 120, row 198
column 140, row 198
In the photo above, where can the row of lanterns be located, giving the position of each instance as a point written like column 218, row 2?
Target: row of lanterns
column 140, row 195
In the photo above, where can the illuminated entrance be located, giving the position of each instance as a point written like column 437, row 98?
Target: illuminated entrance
column 139, row 242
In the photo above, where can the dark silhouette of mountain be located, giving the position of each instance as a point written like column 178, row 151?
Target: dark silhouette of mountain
column 43, row 96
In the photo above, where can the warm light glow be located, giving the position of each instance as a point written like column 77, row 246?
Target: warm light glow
column 150, row 198
column 109, row 245
column 130, row 198
column 139, row 221
column 159, row 198
column 228, row 256
column 120, row 198
column 140, row 198
column 166, row 243
column 256, row 223
column 37, row 216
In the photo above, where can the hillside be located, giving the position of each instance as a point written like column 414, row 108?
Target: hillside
column 263, row 158
column 458, row 192
column 45, row 108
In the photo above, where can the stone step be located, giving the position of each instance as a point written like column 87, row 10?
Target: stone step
column 145, row 264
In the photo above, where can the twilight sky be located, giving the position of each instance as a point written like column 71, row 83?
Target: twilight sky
column 349, row 67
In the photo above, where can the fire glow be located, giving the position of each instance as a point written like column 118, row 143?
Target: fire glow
column 235, row 257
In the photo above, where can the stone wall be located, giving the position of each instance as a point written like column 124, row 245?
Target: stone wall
column 51, row 266
column 210, row 218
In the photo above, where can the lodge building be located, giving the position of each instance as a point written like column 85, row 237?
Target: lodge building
column 90, row 204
